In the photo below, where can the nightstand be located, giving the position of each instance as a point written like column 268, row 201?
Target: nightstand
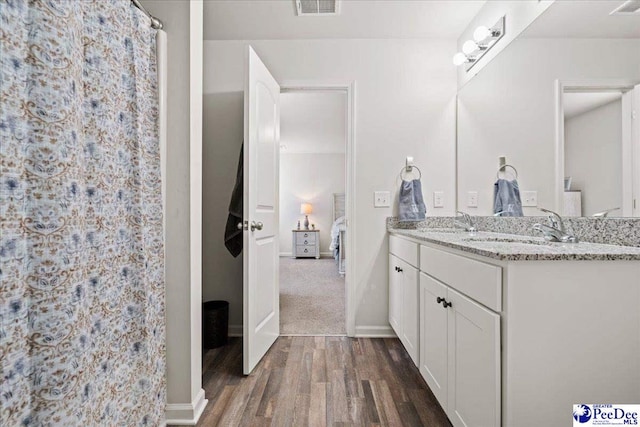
column 306, row 244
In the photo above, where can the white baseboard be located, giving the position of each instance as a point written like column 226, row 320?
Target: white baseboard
column 286, row 254
column 235, row 330
column 375, row 332
column 186, row 414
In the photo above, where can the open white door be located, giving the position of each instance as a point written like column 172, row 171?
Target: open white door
column 261, row 311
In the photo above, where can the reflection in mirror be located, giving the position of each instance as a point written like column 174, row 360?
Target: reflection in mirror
column 557, row 102
column 594, row 128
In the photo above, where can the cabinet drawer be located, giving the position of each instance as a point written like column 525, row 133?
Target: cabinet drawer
column 306, row 238
column 404, row 249
column 305, row 251
column 478, row 280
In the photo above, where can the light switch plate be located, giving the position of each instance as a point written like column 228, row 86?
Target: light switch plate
column 381, row 199
column 472, row 199
column 438, row 199
column 529, row 198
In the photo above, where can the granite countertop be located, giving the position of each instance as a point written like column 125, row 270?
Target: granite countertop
column 513, row 247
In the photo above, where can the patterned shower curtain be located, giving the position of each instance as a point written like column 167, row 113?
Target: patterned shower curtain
column 82, row 321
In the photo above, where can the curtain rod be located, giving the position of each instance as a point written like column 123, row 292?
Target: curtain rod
column 155, row 22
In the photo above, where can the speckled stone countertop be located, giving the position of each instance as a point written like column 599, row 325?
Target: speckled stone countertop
column 513, row 247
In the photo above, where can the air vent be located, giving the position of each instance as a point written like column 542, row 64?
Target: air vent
column 317, row 7
column 630, row 7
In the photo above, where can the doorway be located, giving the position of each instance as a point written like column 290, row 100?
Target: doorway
column 598, row 149
column 314, row 126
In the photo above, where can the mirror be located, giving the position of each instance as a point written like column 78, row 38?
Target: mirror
column 557, row 105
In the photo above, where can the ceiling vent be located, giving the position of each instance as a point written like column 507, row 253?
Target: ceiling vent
column 317, row 7
column 630, row 7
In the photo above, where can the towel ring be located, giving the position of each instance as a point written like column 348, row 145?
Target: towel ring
column 503, row 169
column 409, row 171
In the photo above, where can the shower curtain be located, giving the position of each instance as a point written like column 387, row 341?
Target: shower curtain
column 82, row 321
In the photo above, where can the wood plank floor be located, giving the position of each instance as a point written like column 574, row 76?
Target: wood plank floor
column 319, row 381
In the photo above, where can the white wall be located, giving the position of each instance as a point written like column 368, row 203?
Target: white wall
column 509, row 109
column 309, row 178
column 405, row 105
column 183, row 25
column 593, row 157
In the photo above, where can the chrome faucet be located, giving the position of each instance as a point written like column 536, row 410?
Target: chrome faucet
column 555, row 231
column 466, row 223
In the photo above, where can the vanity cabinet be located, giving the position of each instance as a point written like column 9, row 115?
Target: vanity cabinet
column 523, row 339
column 460, row 354
column 404, row 294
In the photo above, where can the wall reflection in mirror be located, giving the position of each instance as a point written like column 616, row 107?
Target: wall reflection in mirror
column 558, row 103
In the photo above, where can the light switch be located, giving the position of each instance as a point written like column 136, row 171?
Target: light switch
column 530, row 198
column 472, row 199
column 381, row 199
column 438, row 199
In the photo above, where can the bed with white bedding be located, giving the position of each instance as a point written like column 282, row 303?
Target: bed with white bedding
column 338, row 231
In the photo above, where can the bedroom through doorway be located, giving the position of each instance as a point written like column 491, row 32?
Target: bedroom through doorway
column 313, row 186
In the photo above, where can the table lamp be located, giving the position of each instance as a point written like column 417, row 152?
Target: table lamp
column 306, row 209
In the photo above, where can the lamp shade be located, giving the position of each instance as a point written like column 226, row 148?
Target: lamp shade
column 306, row 208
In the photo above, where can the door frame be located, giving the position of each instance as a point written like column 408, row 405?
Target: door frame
column 587, row 85
column 350, row 194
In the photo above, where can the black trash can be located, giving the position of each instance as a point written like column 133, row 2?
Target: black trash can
column 215, row 323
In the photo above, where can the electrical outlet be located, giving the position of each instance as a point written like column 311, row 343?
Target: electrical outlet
column 472, row 199
column 381, row 199
column 530, row 198
column 438, row 199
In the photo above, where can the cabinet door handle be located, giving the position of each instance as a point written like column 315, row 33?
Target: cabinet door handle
column 444, row 302
column 399, row 270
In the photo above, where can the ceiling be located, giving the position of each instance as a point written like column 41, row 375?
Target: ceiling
column 575, row 104
column 358, row 19
column 313, row 122
column 584, row 19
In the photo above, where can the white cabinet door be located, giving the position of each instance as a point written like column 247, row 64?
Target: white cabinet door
column 395, row 295
column 410, row 305
column 474, row 363
column 434, row 337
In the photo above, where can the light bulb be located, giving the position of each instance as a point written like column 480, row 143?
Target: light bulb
column 459, row 58
column 469, row 47
column 481, row 33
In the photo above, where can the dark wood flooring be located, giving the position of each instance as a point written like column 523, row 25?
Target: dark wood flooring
column 319, row 381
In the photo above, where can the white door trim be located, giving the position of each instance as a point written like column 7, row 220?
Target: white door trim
column 350, row 273
column 585, row 85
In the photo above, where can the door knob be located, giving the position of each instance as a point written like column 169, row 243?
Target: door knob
column 243, row 225
column 256, row 225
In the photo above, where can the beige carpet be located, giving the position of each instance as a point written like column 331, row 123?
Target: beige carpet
column 312, row 297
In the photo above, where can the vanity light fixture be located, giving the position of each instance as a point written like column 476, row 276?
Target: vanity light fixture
column 484, row 38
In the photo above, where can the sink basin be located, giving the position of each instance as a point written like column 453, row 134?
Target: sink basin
column 507, row 240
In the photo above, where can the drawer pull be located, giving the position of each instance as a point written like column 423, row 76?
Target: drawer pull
column 306, row 242
column 444, row 302
column 306, row 234
column 306, row 250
